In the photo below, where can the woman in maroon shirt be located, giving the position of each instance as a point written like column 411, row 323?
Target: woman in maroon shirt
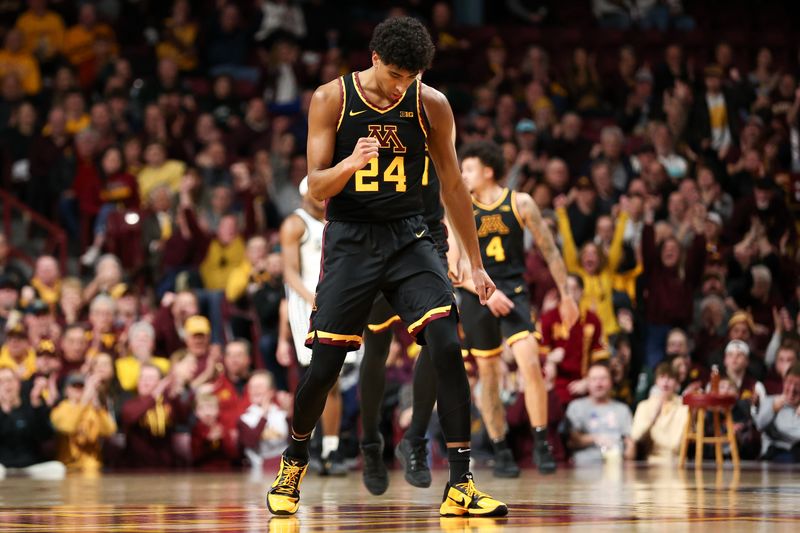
column 119, row 190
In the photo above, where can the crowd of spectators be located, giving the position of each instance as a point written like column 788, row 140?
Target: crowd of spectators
column 168, row 141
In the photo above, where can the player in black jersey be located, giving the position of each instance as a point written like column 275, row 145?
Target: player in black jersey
column 412, row 449
column 501, row 217
column 366, row 156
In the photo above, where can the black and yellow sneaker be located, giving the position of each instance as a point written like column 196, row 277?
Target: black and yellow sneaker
column 283, row 497
column 463, row 499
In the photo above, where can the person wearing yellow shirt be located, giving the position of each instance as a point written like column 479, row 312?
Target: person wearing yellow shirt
column 80, row 39
column 15, row 60
column 17, row 353
column 180, row 37
column 158, row 170
column 42, row 29
column 596, row 270
column 81, row 422
column 660, row 420
column 141, row 341
column 225, row 253
column 251, row 270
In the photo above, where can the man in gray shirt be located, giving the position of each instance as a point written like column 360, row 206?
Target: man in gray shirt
column 600, row 427
column 778, row 419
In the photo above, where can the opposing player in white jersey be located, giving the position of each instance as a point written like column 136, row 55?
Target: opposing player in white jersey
column 301, row 248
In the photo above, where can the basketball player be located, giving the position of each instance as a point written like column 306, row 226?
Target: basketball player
column 301, row 247
column 501, row 217
column 412, row 449
column 366, row 156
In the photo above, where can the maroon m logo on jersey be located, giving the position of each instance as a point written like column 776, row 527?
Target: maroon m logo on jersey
column 387, row 137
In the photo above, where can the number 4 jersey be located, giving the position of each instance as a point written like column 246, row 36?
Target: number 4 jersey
column 389, row 187
column 501, row 236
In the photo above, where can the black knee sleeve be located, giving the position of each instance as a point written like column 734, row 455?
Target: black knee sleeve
column 453, row 393
column 319, row 378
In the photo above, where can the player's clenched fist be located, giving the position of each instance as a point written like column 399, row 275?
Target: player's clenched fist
column 366, row 149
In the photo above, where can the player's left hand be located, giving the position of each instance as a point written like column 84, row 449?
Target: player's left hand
column 484, row 286
column 568, row 310
column 499, row 304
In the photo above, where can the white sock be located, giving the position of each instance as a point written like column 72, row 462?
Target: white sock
column 329, row 445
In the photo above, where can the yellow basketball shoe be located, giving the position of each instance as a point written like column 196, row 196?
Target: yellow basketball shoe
column 283, row 498
column 463, row 499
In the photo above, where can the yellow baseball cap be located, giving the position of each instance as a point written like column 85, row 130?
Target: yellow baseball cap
column 197, row 325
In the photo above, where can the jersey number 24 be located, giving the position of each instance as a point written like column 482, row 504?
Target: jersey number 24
column 395, row 173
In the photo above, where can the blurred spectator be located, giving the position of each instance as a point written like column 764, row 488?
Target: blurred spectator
column 9, row 269
column 24, row 426
column 715, row 119
column 107, row 280
column 45, row 284
column 594, row 268
column 778, row 419
column 281, row 16
column 16, row 61
column 663, row 15
column 43, row 30
column 9, row 295
column 81, row 421
column 17, row 353
column 710, row 335
column 572, row 351
column 141, row 341
column 230, row 386
column 214, row 445
column 263, row 428
column 179, row 37
column 737, row 354
column 197, row 335
column 158, row 170
column 74, row 346
column 70, row 305
column 149, row 420
column 227, row 44
column 660, row 420
column 267, row 299
column 84, row 41
column 599, row 427
column 102, row 335
column 785, row 358
column 120, row 190
column 170, row 319
column 613, row 14
column 672, row 275
column 583, row 81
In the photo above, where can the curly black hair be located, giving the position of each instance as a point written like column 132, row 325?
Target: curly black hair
column 403, row 42
column 489, row 154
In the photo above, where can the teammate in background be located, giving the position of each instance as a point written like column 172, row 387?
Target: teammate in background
column 301, row 248
column 412, row 450
column 501, row 217
column 366, row 155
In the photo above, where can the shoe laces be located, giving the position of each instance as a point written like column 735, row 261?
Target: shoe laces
column 290, row 479
column 418, row 456
column 468, row 487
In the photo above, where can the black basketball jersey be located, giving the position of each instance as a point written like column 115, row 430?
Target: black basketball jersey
column 501, row 233
column 390, row 186
column 431, row 194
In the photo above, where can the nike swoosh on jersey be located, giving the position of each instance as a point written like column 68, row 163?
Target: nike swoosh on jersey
column 352, row 114
column 420, row 234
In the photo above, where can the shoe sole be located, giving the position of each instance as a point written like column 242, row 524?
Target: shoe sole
column 411, row 481
column 498, row 511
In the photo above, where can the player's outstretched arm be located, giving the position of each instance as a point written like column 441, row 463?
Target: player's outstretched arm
column 325, row 181
column 530, row 213
column 454, row 195
column 292, row 230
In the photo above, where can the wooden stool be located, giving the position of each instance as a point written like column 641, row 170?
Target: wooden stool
column 699, row 405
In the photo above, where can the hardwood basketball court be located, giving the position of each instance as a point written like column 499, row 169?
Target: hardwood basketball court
column 757, row 498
